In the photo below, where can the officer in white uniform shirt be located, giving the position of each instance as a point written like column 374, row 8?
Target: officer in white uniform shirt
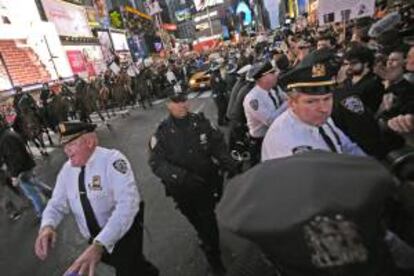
column 262, row 105
column 306, row 124
column 98, row 186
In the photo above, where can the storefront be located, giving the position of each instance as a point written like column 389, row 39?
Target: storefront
column 82, row 49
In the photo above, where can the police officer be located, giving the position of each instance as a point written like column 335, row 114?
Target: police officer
column 81, row 98
column 218, row 87
column 98, row 186
column 307, row 124
column 262, row 105
column 235, row 111
column 181, row 155
column 23, row 98
column 231, row 75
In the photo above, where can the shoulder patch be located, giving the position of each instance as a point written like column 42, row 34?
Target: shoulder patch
column 254, row 104
column 353, row 104
column 301, row 149
column 121, row 166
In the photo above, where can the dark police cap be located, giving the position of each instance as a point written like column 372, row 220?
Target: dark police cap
column 69, row 131
column 178, row 98
column 315, row 74
column 261, row 69
column 282, row 204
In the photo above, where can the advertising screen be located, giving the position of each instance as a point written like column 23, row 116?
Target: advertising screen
column 69, row 19
column 183, row 15
column 202, row 4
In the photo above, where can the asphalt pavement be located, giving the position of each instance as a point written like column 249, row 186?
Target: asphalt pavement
column 169, row 240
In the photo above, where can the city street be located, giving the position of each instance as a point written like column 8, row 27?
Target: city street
column 170, row 242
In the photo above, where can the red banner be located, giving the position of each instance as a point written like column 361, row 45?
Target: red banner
column 76, row 61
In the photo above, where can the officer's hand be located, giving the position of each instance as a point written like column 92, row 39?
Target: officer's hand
column 86, row 263
column 402, row 123
column 45, row 239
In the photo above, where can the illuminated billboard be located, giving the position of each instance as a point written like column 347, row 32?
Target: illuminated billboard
column 202, row 4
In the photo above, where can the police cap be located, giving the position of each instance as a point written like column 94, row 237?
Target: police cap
column 69, row 131
column 261, row 69
column 178, row 98
column 315, row 74
column 288, row 199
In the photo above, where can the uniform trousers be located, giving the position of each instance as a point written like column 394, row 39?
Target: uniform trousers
column 255, row 150
column 221, row 103
column 199, row 210
column 127, row 257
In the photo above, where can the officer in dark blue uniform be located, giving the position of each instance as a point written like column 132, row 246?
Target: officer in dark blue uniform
column 219, row 90
column 181, row 155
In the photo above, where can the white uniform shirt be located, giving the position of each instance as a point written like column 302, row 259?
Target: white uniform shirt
column 289, row 135
column 260, row 111
column 111, row 189
column 171, row 76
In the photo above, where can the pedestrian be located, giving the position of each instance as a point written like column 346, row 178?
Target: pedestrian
column 181, row 155
column 306, row 124
column 98, row 185
column 20, row 165
column 262, row 105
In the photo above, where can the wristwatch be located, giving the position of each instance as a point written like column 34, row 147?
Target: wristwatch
column 98, row 243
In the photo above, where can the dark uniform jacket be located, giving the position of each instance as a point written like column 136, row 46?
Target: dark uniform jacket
column 218, row 85
column 370, row 90
column 231, row 80
column 180, row 148
column 357, row 121
column 13, row 153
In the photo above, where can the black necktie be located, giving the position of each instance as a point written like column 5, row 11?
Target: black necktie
column 327, row 140
column 91, row 220
column 273, row 99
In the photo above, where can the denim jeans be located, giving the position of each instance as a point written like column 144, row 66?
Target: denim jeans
column 28, row 184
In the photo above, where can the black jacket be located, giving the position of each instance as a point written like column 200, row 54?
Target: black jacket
column 192, row 146
column 13, row 153
column 370, row 90
column 403, row 102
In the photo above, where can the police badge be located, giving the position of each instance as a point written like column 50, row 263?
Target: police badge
column 121, row 166
column 96, row 183
column 254, row 104
column 353, row 104
column 334, row 241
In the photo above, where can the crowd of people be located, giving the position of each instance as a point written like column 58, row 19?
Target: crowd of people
column 319, row 121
